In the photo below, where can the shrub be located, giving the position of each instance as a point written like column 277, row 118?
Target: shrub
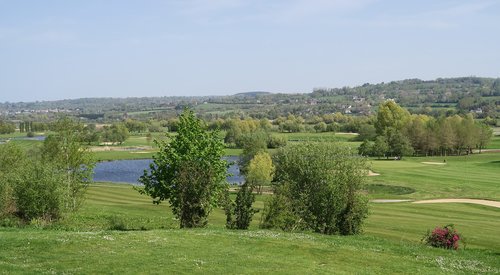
column 242, row 210
column 274, row 142
column 38, row 192
column 117, row 223
column 317, row 187
column 443, row 237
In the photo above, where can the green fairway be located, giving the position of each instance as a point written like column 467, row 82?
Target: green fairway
column 472, row 176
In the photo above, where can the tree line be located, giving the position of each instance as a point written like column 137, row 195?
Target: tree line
column 396, row 133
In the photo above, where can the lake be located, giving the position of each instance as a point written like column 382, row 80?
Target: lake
column 129, row 171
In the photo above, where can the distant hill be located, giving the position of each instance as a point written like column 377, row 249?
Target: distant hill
column 442, row 96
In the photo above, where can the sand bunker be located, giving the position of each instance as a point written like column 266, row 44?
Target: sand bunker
column 474, row 201
column 435, row 163
column 371, row 173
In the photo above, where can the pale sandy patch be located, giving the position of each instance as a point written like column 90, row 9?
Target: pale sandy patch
column 435, row 163
column 473, row 201
column 371, row 173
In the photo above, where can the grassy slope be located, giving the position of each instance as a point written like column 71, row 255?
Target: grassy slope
column 390, row 243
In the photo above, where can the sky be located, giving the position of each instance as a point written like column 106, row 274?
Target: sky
column 52, row 50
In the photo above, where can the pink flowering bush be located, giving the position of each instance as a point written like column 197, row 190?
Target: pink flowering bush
column 444, row 237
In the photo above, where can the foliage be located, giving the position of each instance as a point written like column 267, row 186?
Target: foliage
column 443, row 237
column 391, row 115
column 241, row 210
column 65, row 151
column 188, row 172
column 274, row 142
column 38, row 192
column 252, row 144
column 260, row 171
column 318, row 184
column 116, row 133
column 7, row 127
column 12, row 160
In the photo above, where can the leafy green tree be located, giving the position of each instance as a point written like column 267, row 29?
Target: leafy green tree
column 317, row 189
column 65, row 151
column 320, row 127
column 366, row 148
column 274, row 142
column 380, row 148
column 242, row 210
column 252, row 144
column 391, row 115
column 7, row 127
column 12, row 160
column 189, row 172
column 366, row 132
column 116, row 133
column 399, row 144
column 485, row 133
column 260, row 171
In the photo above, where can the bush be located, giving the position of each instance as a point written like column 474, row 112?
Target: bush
column 242, row 210
column 317, row 188
column 38, row 192
column 274, row 142
column 117, row 223
column 443, row 237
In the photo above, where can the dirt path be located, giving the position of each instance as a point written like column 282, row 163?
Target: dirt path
column 474, row 201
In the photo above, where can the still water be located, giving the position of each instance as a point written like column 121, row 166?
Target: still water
column 129, row 171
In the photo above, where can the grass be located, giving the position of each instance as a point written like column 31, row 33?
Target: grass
column 145, row 238
column 494, row 143
column 217, row 251
column 83, row 243
column 473, row 176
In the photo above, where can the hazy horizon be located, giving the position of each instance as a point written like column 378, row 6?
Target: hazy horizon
column 55, row 50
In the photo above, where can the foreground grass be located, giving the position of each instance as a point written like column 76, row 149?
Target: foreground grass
column 221, row 251
column 151, row 243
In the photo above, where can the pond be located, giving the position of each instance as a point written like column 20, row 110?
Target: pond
column 129, row 171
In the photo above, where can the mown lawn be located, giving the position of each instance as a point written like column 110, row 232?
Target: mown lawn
column 472, row 176
column 152, row 243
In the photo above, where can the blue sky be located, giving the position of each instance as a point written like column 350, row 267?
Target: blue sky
column 71, row 49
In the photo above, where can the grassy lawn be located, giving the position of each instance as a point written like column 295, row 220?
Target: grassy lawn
column 150, row 241
column 495, row 142
column 83, row 243
column 473, row 176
